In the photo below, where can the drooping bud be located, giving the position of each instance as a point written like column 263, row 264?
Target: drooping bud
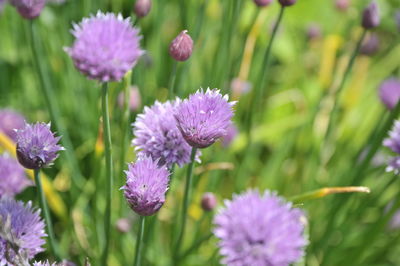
column 342, row 5
column 29, row 9
column 142, row 8
column 287, row 2
column 262, row 2
column 371, row 18
column 181, row 47
column 208, row 201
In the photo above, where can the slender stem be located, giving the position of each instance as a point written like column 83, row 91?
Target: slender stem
column 139, row 242
column 109, row 171
column 46, row 213
column 52, row 105
column 346, row 74
column 185, row 202
column 262, row 78
column 172, row 79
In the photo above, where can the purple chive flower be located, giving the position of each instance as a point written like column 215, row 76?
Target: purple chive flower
column 262, row 2
column 146, row 185
column 256, row 229
column 371, row 45
column 394, row 165
column 208, row 201
column 37, row 146
column 239, row 87
column 231, row 134
column 106, row 47
column 27, row 229
column 287, row 2
column 29, row 9
column 9, row 121
column 204, row 117
column 157, row 135
column 181, row 47
column 134, row 99
column 393, row 142
column 313, row 31
column 370, row 16
column 12, row 176
column 142, row 8
column 342, row 5
column 389, row 92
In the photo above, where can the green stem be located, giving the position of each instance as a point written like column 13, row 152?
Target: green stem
column 172, row 80
column 346, row 74
column 139, row 241
column 185, row 202
column 46, row 213
column 52, row 105
column 262, row 78
column 109, row 171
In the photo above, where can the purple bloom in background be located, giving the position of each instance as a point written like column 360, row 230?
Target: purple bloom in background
column 27, row 229
column 393, row 142
column 239, row 87
column 146, row 185
column 394, row 165
column 231, row 134
column 106, row 47
column 262, row 2
column 157, row 135
column 370, row 17
column 397, row 19
column 389, row 92
column 12, row 176
column 371, row 45
column 29, row 9
column 181, row 47
column 342, row 5
column 37, row 146
column 256, row 229
column 395, row 221
column 134, row 99
column 313, row 31
column 9, row 121
column 204, row 117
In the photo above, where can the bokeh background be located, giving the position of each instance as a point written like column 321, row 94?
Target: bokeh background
column 311, row 50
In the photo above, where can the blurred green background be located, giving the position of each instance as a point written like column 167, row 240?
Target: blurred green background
column 291, row 155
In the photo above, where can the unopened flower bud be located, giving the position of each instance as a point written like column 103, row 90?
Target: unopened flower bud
column 142, row 8
column 123, row 225
column 208, row 201
column 370, row 17
column 287, row 2
column 262, row 2
column 342, row 5
column 29, row 9
column 181, row 47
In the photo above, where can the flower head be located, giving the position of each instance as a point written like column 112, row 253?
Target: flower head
column 256, row 229
column 370, row 17
column 106, row 47
column 146, row 185
column 287, row 2
column 393, row 142
column 157, row 135
column 12, row 176
column 37, row 146
column 371, row 45
column 342, row 5
column 204, row 117
column 134, row 99
column 231, row 134
column 29, row 9
column 142, row 8
column 208, row 201
column 9, row 121
column 389, row 92
column 181, row 47
column 25, row 229
column 262, row 2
